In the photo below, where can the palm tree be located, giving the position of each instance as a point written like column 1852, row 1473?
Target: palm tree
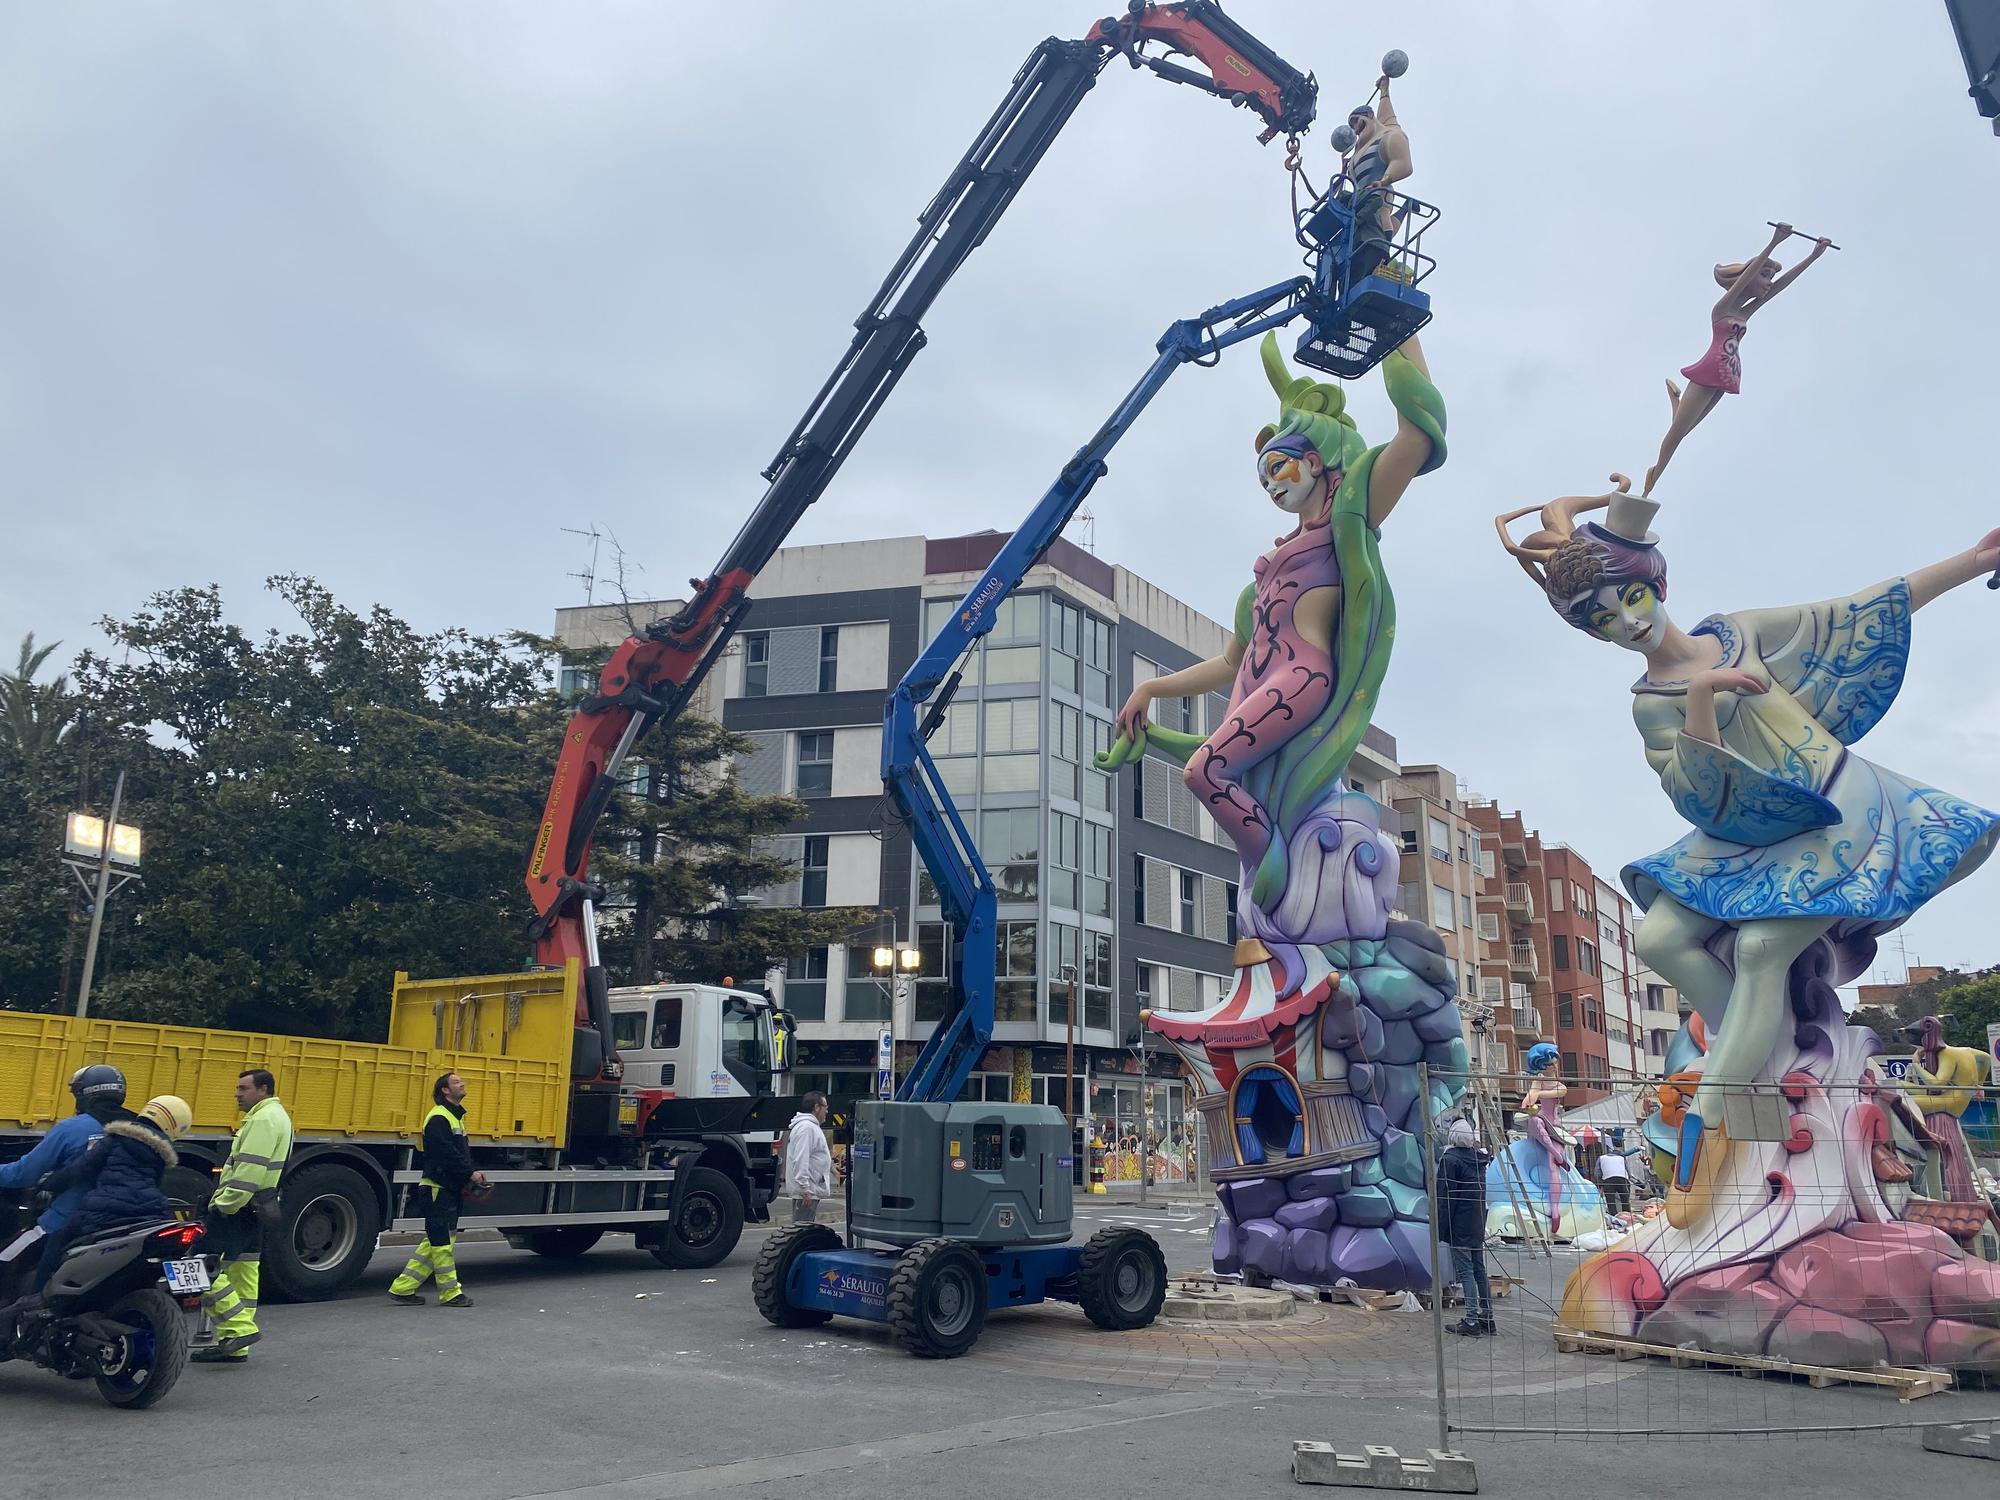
column 33, row 719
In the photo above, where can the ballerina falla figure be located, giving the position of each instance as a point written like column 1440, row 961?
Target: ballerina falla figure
column 1747, row 720
column 1746, row 286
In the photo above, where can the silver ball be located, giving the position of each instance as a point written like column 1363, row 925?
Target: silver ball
column 1342, row 138
column 1395, row 64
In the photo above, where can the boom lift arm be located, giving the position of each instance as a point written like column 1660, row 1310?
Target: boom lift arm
column 966, row 894
column 651, row 675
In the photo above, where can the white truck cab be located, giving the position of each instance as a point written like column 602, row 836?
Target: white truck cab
column 698, row 1041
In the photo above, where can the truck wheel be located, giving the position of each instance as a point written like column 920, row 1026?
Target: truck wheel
column 937, row 1299
column 187, row 1190
column 774, row 1271
column 710, row 1224
column 563, row 1244
column 325, row 1237
column 1122, row 1280
column 145, row 1363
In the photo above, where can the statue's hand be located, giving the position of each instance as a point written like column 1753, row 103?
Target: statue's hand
column 1986, row 551
column 1132, row 717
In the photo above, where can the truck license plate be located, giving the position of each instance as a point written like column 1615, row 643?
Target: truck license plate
column 185, row 1276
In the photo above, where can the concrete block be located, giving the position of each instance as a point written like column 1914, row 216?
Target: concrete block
column 1379, row 1468
column 1966, row 1439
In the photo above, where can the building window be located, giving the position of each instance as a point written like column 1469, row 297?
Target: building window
column 1065, row 855
column 1011, row 844
column 1097, row 869
column 756, row 664
column 1015, row 971
column 1067, row 964
column 1656, row 997
column 1464, row 910
column 816, row 764
column 805, row 985
column 1440, row 839
column 1139, row 888
column 934, row 977
column 1066, row 642
column 1569, row 1064
column 829, row 657
column 1190, row 901
column 1096, row 784
column 1593, row 1018
column 1409, row 838
column 1565, row 1010
column 1471, row 853
column 1096, row 661
column 1229, row 898
column 1561, row 945
column 1142, row 985
column 1596, row 1066
column 812, row 872
column 1018, row 617
column 1582, row 898
column 1443, row 908
column 1097, row 980
column 866, row 997
column 1555, row 895
column 1586, row 955
column 1066, row 752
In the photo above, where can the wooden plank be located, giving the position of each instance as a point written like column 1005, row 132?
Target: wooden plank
column 1909, row 1384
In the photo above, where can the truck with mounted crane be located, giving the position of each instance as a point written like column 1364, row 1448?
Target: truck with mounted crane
column 679, row 1159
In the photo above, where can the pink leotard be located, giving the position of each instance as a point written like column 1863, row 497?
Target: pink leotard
column 1722, row 367
column 1282, row 684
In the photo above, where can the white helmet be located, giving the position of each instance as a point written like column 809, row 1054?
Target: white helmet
column 171, row 1113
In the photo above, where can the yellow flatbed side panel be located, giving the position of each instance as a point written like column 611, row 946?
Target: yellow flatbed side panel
column 508, row 1035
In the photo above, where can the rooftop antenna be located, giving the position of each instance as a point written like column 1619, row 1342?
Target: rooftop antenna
column 588, row 577
column 1086, row 525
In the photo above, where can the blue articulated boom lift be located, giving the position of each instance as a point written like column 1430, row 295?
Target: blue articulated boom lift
column 959, row 1207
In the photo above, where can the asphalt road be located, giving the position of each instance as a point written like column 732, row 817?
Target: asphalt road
column 612, row 1378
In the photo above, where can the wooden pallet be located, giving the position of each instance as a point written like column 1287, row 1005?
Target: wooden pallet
column 1908, row 1384
column 1498, row 1282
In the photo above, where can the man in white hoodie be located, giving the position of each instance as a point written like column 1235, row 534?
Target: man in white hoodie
column 808, row 1163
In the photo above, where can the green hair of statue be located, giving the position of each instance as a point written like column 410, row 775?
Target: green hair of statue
column 1316, row 757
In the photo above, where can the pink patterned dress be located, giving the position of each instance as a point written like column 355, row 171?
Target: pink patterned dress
column 1722, row 367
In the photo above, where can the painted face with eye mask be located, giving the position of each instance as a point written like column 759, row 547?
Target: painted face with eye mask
column 1295, row 477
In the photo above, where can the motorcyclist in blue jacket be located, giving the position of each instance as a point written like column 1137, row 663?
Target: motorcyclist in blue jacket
column 100, row 1098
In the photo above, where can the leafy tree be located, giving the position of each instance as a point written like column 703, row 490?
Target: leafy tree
column 326, row 805
column 1973, row 1006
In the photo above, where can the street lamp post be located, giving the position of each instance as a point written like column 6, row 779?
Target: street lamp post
column 105, row 842
column 1069, row 1070
column 895, row 967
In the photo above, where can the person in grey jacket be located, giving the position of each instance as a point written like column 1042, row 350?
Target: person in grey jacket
column 808, row 1162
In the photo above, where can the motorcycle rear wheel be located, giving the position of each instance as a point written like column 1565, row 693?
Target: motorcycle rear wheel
column 151, row 1359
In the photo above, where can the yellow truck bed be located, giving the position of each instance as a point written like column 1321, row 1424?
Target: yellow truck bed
column 507, row 1035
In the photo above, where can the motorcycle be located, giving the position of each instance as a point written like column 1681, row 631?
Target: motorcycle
column 115, row 1311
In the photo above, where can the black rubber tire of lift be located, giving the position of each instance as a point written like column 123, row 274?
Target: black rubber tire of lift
column 1110, row 1255
column 773, row 1270
column 565, row 1243
column 920, row 1271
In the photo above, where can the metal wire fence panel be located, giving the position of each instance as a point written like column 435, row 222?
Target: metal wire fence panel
column 1761, row 1260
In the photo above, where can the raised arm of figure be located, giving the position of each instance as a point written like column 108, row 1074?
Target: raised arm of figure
column 1819, row 248
column 1412, row 451
column 1961, row 567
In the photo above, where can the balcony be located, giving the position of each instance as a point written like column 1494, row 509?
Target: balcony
column 1520, row 899
column 1521, row 959
column 1527, row 1022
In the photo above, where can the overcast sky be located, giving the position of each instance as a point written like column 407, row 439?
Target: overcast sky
column 391, row 293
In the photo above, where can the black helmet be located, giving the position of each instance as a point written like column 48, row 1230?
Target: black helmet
column 98, row 1084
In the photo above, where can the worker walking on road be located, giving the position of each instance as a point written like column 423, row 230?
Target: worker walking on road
column 808, row 1163
column 447, row 1174
column 241, row 1206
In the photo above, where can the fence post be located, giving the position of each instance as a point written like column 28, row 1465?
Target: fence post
column 1437, row 1270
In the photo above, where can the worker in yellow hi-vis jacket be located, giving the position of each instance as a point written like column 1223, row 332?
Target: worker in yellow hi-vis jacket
column 447, row 1173
column 244, row 1201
